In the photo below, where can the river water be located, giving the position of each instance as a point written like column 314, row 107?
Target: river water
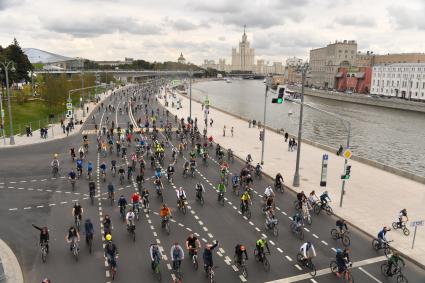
column 389, row 136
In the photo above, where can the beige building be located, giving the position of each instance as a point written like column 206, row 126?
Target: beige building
column 364, row 59
column 243, row 58
column 398, row 58
column 325, row 61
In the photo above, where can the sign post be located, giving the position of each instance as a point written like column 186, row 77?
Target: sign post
column 416, row 224
column 324, row 170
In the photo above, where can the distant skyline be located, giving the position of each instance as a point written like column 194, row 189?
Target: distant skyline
column 203, row 29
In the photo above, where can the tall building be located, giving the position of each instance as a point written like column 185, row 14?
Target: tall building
column 243, row 58
column 364, row 59
column 398, row 58
column 404, row 80
column 294, row 62
column 181, row 59
column 325, row 62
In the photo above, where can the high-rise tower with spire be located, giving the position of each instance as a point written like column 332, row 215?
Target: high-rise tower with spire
column 243, row 58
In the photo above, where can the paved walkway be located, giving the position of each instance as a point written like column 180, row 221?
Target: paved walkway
column 12, row 269
column 54, row 130
column 373, row 197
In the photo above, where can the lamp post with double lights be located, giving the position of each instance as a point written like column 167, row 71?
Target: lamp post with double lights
column 8, row 65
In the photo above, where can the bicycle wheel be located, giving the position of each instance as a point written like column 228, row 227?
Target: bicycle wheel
column 301, row 234
column 312, row 269
column 275, row 230
column 266, row 264
column 201, row 200
column 184, row 210
column 401, row 279
column 349, row 276
column 248, row 213
column 395, row 226
column 334, row 234
column 158, row 273
column 43, row 254
column 244, row 271
column 134, row 236
column 334, row 267
column 167, row 228
column 195, row 262
column 406, row 231
column 299, row 258
column 309, row 220
column 256, row 255
column 384, row 269
column 329, row 210
column 317, row 208
column 387, row 251
column 345, row 240
column 375, row 244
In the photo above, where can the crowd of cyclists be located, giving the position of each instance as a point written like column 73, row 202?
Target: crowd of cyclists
column 146, row 145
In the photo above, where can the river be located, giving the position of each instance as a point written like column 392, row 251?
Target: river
column 392, row 137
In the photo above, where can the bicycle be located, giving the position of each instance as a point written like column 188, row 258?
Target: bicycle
column 157, row 270
column 396, row 270
column 89, row 241
column 319, row 206
column 159, row 194
column 72, row 184
column 210, row 273
column 122, row 213
column 241, row 265
column 145, row 203
column 176, row 270
column 346, row 274
column 296, row 229
column 92, row 197
column 55, row 171
column 307, row 263
column 220, row 197
column 200, row 197
column 75, row 249
column 166, row 225
column 112, row 268
column 104, row 176
column 122, row 178
column 246, row 211
column 43, row 247
column 279, row 187
column 194, row 257
column 335, row 234
column 376, row 244
column 111, row 197
column 403, row 227
column 131, row 228
column 306, row 216
column 273, row 226
column 77, row 221
column 182, row 206
column 261, row 257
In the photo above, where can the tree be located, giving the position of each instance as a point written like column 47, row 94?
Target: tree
column 55, row 91
column 22, row 65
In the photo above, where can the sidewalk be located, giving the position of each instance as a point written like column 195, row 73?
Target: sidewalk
column 12, row 269
column 54, row 130
column 373, row 197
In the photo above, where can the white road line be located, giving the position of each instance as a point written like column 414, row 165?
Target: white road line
column 201, row 223
column 298, row 267
column 258, row 230
column 323, row 242
column 210, row 235
column 370, row 275
column 250, row 223
column 312, row 280
column 288, row 258
column 242, row 278
column 52, row 204
column 63, row 202
column 306, row 229
column 28, row 207
column 314, row 235
column 271, row 242
column 40, row 206
column 280, row 250
column 13, row 209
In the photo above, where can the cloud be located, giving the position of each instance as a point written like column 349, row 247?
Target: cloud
column 221, row 38
column 407, row 18
column 253, row 20
column 5, row 4
column 183, row 25
column 216, row 6
column 92, row 27
column 357, row 21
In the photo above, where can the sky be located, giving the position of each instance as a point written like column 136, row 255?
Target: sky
column 208, row 29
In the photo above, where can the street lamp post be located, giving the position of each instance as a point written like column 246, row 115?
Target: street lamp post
column 6, row 65
column 296, row 181
column 263, row 140
column 82, row 87
column 190, row 94
column 2, row 119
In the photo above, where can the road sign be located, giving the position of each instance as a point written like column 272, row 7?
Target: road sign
column 69, row 106
column 69, row 114
column 347, row 154
column 417, row 223
column 324, row 170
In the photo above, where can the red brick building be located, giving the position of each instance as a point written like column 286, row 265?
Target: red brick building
column 355, row 79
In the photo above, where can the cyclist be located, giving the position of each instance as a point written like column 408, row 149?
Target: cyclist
column 324, row 198
column 382, row 235
column 192, row 245
column 135, row 200
column 158, row 171
column 312, row 198
column 121, row 172
column 92, row 188
column 145, row 196
column 129, row 219
column 260, row 244
column 235, row 181
column 208, row 256
column 129, row 171
column 88, row 230
column 248, row 158
column 240, row 251
column 393, row 263
column 89, row 168
column 164, row 212
column 181, row 196
column 72, row 236
column 103, row 168
column 107, row 225
column 114, row 166
column 155, row 254
column 307, row 251
column 221, row 187
column 342, row 260
column 77, row 211
column 177, row 255
column 199, row 189
column 44, row 236
column 158, row 185
column 258, row 169
column 80, row 166
column 297, row 219
column 81, row 152
column 245, row 201
column 342, row 226
column 270, row 217
column 170, row 171
column 268, row 192
column 72, row 175
column 402, row 217
column 111, row 190
column 110, row 250
column 55, row 161
column 278, row 180
column 122, row 203
column 186, row 167
column 301, row 197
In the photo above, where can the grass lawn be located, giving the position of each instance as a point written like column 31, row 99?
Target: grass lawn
column 34, row 112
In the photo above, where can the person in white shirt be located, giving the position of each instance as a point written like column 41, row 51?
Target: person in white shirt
column 307, row 250
column 129, row 218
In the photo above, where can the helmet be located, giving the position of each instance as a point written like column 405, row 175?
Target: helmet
column 55, row 155
column 108, row 237
column 338, row 251
column 242, row 248
column 325, row 192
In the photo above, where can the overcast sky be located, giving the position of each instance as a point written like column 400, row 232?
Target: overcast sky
column 208, row 29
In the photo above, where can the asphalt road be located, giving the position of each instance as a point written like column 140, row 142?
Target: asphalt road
column 28, row 194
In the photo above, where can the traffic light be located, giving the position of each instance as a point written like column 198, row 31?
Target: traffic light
column 346, row 176
column 279, row 98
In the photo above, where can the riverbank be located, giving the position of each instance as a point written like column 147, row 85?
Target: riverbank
column 373, row 196
column 366, row 100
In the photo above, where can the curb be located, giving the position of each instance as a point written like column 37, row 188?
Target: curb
column 291, row 189
column 11, row 266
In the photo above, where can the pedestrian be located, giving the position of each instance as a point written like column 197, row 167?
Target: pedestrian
column 231, row 131
column 211, row 122
column 286, row 137
column 249, row 123
column 63, row 128
column 202, row 105
column 259, row 124
column 87, row 109
column 206, row 122
column 290, row 145
column 254, row 123
column 67, row 130
column 61, row 122
column 224, row 131
column 27, row 130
